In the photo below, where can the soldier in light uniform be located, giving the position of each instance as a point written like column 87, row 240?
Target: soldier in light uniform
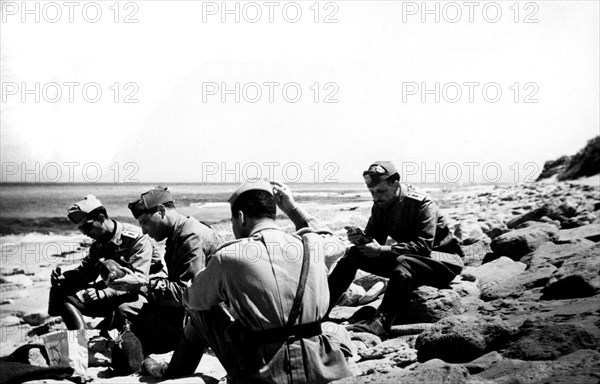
column 416, row 227
column 189, row 243
column 257, row 277
column 123, row 243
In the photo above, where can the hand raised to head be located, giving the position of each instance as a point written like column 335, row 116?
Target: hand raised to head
column 283, row 196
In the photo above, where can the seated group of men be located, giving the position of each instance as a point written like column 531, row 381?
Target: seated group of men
column 258, row 301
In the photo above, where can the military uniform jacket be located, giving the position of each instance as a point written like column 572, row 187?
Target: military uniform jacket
column 257, row 277
column 188, row 246
column 412, row 220
column 128, row 246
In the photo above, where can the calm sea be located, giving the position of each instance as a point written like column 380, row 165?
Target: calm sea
column 38, row 207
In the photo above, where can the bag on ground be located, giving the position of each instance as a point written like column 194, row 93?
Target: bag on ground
column 68, row 349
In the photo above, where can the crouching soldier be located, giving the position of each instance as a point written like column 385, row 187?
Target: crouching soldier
column 116, row 245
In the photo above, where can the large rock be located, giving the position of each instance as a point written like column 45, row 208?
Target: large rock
column 469, row 232
column 590, row 232
column 364, row 340
column 578, row 276
column 533, row 215
column 459, row 339
column 483, row 362
column 554, row 210
column 580, row 367
column 516, row 244
column 474, row 254
column 536, row 341
column 382, row 371
column 434, row 371
column 387, row 347
column 429, row 305
column 466, row 288
column 493, row 276
column 554, row 254
column 516, row 285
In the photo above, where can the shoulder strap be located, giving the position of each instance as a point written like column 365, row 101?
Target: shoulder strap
column 301, row 284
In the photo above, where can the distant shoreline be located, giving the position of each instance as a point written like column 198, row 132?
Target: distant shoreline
column 41, row 208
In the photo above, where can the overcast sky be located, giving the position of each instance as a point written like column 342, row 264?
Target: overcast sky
column 366, row 72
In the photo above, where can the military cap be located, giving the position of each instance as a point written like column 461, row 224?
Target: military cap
column 150, row 200
column 378, row 172
column 78, row 212
column 258, row 184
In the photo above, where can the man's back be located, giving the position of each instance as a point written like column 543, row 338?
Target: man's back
column 261, row 275
column 188, row 245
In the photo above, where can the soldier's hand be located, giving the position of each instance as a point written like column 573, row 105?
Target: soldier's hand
column 283, row 196
column 91, row 294
column 372, row 249
column 356, row 236
column 131, row 282
column 56, row 277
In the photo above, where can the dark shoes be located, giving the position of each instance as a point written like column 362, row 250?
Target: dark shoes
column 374, row 325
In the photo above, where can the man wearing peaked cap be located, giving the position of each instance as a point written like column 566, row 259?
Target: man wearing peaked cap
column 258, row 279
column 189, row 243
column 413, row 222
column 116, row 245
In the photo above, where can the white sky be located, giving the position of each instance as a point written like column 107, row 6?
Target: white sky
column 370, row 55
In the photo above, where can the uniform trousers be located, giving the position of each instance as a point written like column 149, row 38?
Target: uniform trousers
column 116, row 310
column 203, row 329
column 405, row 273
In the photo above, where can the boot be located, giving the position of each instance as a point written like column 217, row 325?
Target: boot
column 72, row 317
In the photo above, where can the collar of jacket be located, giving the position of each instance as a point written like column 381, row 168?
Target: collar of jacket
column 117, row 236
column 267, row 224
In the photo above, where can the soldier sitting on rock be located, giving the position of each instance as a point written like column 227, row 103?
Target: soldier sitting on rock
column 414, row 223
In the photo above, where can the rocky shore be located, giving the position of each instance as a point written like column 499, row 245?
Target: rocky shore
column 526, row 309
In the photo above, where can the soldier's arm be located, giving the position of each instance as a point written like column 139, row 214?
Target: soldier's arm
column 304, row 220
column 426, row 224
column 140, row 257
column 170, row 292
column 332, row 247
